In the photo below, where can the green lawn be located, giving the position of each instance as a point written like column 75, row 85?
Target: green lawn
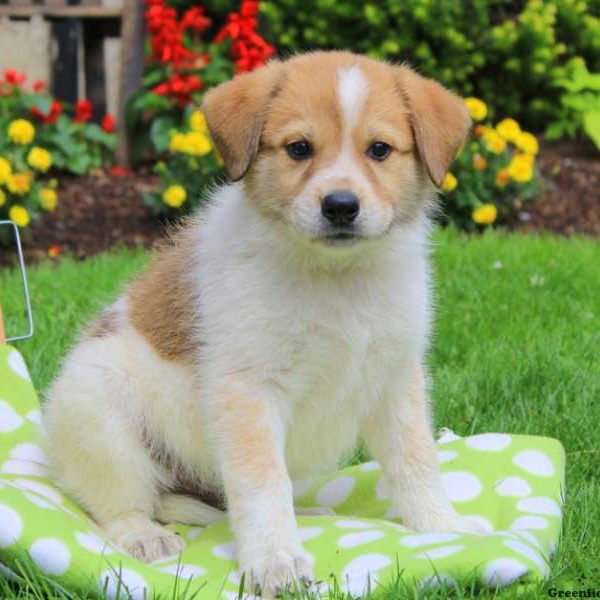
column 516, row 349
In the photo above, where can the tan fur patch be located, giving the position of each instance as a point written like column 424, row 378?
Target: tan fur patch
column 249, row 448
column 106, row 324
column 162, row 301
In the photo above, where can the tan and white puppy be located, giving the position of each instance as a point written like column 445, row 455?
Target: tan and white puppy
column 290, row 317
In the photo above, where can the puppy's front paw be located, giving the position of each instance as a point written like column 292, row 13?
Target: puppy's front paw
column 448, row 521
column 150, row 544
column 277, row 570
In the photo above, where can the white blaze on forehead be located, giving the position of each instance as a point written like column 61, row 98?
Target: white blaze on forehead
column 352, row 94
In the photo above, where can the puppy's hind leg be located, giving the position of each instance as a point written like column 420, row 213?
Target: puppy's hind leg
column 98, row 455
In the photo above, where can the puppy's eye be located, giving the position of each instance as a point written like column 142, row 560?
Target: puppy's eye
column 300, row 150
column 379, row 151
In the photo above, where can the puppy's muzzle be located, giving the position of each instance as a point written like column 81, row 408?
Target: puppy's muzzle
column 340, row 207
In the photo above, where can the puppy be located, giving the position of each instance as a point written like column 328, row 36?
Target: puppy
column 288, row 318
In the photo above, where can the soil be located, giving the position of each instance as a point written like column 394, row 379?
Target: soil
column 104, row 210
column 569, row 202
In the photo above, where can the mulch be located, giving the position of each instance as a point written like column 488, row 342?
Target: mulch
column 101, row 211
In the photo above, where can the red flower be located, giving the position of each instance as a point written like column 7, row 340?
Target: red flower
column 118, row 171
column 52, row 116
column 195, row 19
column 249, row 50
column 38, row 86
column 83, row 111
column 14, row 77
column 108, row 123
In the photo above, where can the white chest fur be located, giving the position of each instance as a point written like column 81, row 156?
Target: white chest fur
column 322, row 340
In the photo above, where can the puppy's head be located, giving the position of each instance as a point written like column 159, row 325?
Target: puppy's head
column 337, row 146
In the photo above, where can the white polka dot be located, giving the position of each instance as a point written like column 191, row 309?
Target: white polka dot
column 393, row 512
column 529, row 552
column 540, row 505
column 93, row 543
column 350, row 524
column 360, row 573
column 351, row 540
column 489, row 442
column 39, row 501
column 24, row 467
column 370, row 466
column 460, row 486
column 336, row 491
column 528, row 536
column 529, row 522
column 534, row 462
column 381, row 489
column 35, row 417
column 50, row 555
column 17, row 364
column 9, row 419
column 427, row 539
column 194, row 532
column 184, row 571
column 308, row 533
column 31, row 452
column 39, row 488
column 485, row 524
column 503, row 571
column 444, row 456
column 234, row 577
column 301, row 488
column 440, row 552
column 11, row 526
column 436, row 581
column 227, row 551
column 513, row 486
column 114, row 582
column 447, row 435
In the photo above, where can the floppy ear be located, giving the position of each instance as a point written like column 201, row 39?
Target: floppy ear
column 440, row 121
column 235, row 113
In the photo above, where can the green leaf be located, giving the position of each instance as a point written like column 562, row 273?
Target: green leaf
column 160, row 131
column 591, row 126
column 79, row 164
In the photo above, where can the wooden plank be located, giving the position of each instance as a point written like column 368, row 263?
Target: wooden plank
column 132, row 68
column 61, row 12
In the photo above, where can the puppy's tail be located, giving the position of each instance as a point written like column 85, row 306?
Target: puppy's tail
column 178, row 508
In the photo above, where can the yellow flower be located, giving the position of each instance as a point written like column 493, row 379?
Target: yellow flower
column 509, row 129
column 177, row 141
column 449, row 182
column 485, row 214
column 494, row 142
column 198, row 122
column 5, row 170
column 48, row 199
column 2, row 198
column 477, row 108
column 19, row 183
column 197, row 144
column 479, row 163
column 19, row 215
column 174, row 196
column 480, row 130
column 502, row 178
column 21, row 131
column 520, row 168
column 39, row 159
column 528, row 143
column 194, row 143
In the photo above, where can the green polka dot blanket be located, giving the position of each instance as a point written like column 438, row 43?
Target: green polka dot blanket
column 512, row 485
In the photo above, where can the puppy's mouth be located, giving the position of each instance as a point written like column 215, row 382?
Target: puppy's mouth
column 340, row 238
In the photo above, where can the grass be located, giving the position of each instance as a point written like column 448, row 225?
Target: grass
column 516, row 348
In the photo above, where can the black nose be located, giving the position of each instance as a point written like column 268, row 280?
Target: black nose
column 340, row 207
